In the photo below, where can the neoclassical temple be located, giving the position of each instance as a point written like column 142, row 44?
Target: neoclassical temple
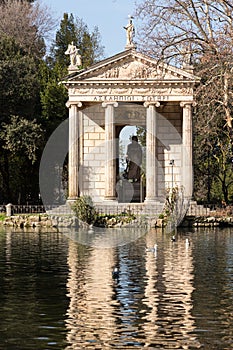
column 129, row 88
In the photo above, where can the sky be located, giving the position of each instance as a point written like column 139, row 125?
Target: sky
column 110, row 16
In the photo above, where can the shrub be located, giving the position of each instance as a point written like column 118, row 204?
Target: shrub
column 84, row 209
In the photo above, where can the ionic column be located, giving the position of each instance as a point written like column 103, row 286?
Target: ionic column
column 110, row 144
column 187, row 149
column 73, row 150
column 151, row 159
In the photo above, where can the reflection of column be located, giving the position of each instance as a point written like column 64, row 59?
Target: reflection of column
column 110, row 168
column 73, row 150
column 187, row 172
column 177, row 299
column 151, row 160
column 151, row 297
column 91, row 315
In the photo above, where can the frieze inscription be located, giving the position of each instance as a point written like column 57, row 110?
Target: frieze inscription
column 130, row 98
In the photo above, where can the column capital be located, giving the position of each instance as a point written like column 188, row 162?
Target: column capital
column 110, row 103
column 184, row 104
column 77, row 104
column 148, row 103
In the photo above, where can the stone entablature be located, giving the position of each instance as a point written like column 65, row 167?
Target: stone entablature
column 130, row 77
column 101, row 96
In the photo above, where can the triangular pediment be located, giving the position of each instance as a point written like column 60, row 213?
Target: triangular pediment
column 131, row 66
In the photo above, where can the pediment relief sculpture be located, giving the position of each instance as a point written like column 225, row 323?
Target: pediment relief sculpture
column 132, row 65
column 129, row 70
column 134, row 70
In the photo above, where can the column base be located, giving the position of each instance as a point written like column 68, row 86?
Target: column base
column 71, row 201
column 110, row 199
column 150, row 200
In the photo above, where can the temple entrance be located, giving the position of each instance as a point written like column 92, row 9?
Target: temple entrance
column 131, row 167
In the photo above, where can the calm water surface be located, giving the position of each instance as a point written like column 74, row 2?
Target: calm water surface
column 56, row 293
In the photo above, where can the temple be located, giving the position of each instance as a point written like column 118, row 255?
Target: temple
column 129, row 89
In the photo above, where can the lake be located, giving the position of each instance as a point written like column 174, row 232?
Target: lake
column 57, row 290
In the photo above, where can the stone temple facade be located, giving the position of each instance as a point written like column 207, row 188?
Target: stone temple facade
column 129, row 88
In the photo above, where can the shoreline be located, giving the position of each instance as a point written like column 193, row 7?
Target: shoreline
column 71, row 221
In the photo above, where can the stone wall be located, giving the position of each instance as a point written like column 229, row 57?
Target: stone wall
column 169, row 148
column 92, row 154
column 40, row 221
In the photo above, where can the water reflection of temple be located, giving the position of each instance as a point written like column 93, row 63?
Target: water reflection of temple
column 91, row 314
column 150, row 305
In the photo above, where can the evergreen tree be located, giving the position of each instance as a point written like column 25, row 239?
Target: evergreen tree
column 64, row 36
column 76, row 30
column 53, row 95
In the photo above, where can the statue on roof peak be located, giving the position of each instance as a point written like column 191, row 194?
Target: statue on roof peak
column 130, row 33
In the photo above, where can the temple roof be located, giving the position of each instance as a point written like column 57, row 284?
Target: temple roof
column 130, row 66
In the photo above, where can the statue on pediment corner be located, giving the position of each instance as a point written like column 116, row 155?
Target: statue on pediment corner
column 75, row 57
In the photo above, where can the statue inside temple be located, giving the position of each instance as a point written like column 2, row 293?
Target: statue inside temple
column 133, row 160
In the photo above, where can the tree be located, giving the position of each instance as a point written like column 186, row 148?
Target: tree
column 198, row 33
column 19, row 86
column 28, row 23
column 54, row 95
column 22, row 46
column 89, row 44
column 213, row 163
column 21, row 141
column 30, row 90
column 64, row 36
column 22, row 136
column 177, row 31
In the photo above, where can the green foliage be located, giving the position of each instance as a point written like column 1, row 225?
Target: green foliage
column 141, row 134
column 64, row 36
column 112, row 220
column 32, row 102
column 53, row 98
column 84, row 209
column 2, row 217
column 53, row 95
column 22, row 136
column 76, row 30
column 19, row 87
